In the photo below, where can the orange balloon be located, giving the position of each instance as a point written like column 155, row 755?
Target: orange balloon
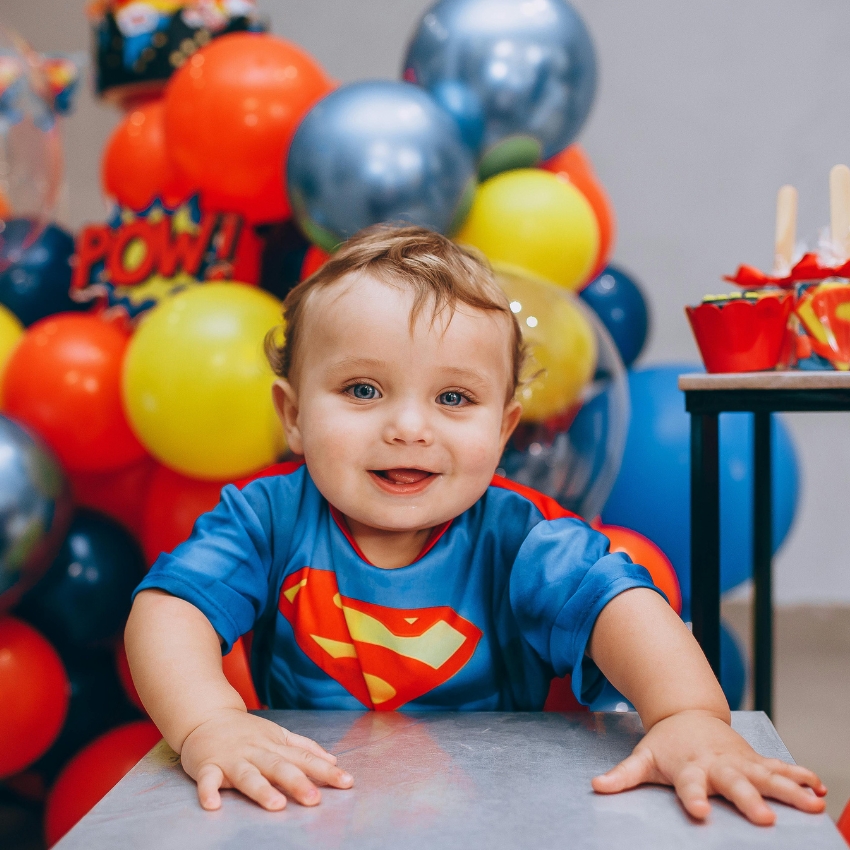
column 34, row 694
column 230, row 114
column 64, row 381
column 644, row 552
column 573, row 163
column 314, row 259
column 136, row 167
column 93, row 772
column 5, row 206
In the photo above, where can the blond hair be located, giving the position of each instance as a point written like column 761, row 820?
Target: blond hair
column 435, row 268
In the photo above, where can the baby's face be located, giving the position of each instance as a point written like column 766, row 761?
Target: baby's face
column 400, row 431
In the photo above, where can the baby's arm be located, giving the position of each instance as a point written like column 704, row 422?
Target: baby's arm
column 175, row 659
column 649, row 655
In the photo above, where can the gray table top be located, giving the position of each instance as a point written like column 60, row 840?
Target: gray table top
column 447, row 780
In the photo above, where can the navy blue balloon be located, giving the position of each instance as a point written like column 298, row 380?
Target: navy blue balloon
column 375, row 152
column 97, row 704
column 652, row 492
column 524, row 71
column 37, row 282
column 617, row 300
column 84, row 598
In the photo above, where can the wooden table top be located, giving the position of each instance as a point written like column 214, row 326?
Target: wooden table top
column 791, row 380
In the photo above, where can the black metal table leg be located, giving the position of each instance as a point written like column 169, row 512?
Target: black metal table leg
column 762, row 573
column 705, row 536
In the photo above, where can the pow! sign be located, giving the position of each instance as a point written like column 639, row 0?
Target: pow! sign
column 136, row 261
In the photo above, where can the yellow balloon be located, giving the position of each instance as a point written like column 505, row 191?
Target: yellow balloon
column 561, row 345
column 197, row 386
column 536, row 221
column 11, row 330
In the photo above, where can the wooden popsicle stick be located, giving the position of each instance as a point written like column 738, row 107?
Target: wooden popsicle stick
column 839, row 211
column 786, row 229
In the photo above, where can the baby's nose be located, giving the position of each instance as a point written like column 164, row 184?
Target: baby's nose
column 408, row 423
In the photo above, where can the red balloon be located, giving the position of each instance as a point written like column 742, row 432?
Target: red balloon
column 314, row 259
column 125, row 677
column 230, row 114
column 34, row 694
column 136, row 167
column 118, row 493
column 573, row 163
column 93, row 772
column 175, row 501
column 64, row 381
column 644, row 552
column 237, row 671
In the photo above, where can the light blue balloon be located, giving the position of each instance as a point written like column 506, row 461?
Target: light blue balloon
column 375, row 152
column 527, row 66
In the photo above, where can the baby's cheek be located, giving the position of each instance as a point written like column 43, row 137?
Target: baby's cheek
column 479, row 458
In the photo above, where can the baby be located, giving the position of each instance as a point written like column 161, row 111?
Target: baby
column 393, row 570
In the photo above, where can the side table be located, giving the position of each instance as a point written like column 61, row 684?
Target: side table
column 759, row 393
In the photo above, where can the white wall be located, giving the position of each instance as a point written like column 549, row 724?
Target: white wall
column 704, row 109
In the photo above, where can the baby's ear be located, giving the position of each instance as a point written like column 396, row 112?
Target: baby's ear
column 510, row 419
column 286, row 404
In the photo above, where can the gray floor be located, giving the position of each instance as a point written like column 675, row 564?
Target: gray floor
column 812, row 688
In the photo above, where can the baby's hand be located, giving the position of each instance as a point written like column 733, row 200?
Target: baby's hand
column 234, row 749
column 699, row 755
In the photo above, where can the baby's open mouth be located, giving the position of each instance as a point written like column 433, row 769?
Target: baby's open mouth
column 402, row 476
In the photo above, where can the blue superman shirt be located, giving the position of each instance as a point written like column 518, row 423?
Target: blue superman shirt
column 502, row 599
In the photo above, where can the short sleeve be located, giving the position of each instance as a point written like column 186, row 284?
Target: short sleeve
column 222, row 569
column 562, row 578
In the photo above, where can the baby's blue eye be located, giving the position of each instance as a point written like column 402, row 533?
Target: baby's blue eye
column 451, row 398
column 363, row 392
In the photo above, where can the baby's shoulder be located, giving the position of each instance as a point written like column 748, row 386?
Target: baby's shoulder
column 277, row 493
column 504, row 496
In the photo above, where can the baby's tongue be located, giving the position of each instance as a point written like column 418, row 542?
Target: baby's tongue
column 405, row 476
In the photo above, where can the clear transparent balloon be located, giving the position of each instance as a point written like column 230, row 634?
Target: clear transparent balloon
column 573, row 454
column 30, row 146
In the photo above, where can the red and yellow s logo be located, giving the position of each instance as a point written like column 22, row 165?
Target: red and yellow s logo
column 384, row 657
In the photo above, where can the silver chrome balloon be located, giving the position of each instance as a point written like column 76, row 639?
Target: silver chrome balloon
column 35, row 510
column 375, row 152
column 525, row 70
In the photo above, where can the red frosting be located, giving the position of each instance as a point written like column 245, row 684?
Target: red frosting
column 808, row 268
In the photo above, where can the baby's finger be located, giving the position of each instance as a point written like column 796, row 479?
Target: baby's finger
column 798, row 774
column 289, row 778
column 247, row 779
column 739, row 790
column 692, row 789
column 317, row 768
column 293, row 740
column 788, row 791
column 210, row 779
column 632, row 771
